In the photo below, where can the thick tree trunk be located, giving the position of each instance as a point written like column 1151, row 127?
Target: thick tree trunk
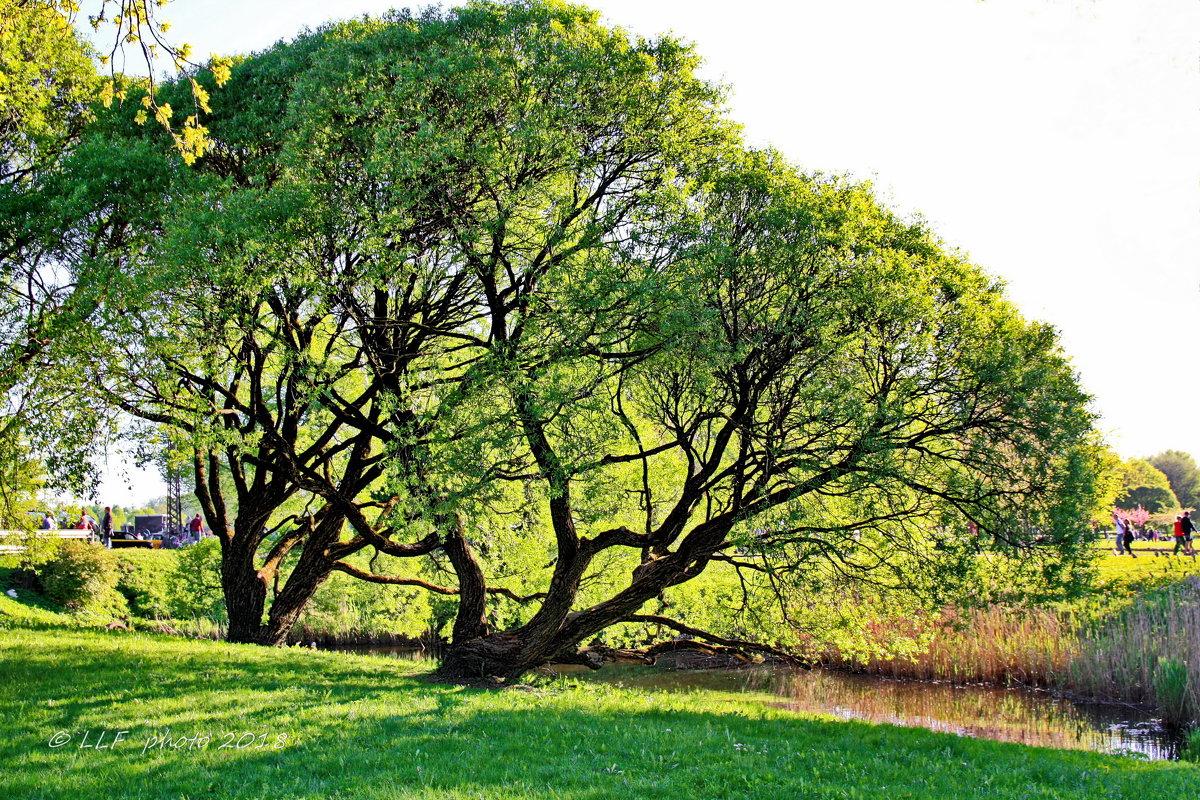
column 245, row 594
column 306, row 577
column 471, row 620
column 489, row 660
column 287, row 607
column 506, row 656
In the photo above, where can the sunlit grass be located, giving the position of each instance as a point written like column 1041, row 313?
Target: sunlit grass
column 1124, row 575
column 356, row 726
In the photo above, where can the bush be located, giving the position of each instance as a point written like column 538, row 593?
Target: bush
column 195, row 582
column 111, row 605
column 80, row 575
column 148, row 581
column 1191, row 746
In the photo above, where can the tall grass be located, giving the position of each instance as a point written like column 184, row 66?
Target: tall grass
column 1147, row 653
column 998, row 644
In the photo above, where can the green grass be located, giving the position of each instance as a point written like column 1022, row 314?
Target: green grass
column 360, row 727
column 1122, row 575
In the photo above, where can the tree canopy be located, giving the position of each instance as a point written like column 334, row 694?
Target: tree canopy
column 1146, row 486
column 498, row 297
column 1182, row 474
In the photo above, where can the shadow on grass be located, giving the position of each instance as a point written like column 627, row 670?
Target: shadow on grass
column 332, row 725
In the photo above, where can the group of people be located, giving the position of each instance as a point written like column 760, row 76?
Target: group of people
column 1183, row 533
column 104, row 528
column 86, row 522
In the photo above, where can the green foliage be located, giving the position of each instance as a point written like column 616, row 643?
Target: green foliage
column 1183, row 474
column 21, row 480
column 504, row 280
column 195, row 581
column 350, row 607
column 36, row 548
column 149, row 581
column 1145, row 485
column 47, row 80
column 1191, row 749
column 80, row 575
column 1154, row 499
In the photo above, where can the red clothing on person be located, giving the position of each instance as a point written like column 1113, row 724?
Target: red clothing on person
column 1179, row 528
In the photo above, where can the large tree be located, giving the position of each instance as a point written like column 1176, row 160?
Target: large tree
column 1182, row 473
column 1146, row 486
column 499, row 293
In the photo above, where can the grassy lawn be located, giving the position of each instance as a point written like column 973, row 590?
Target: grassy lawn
column 1122, row 573
column 304, row 724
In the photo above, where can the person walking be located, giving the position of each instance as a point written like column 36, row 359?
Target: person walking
column 196, row 527
column 1180, row 542
column 1188, row 531
column 1120, row 535
column 1129, row 538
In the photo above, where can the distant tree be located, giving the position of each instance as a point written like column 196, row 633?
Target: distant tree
column 1144, row 485
column 1183, row 475
column 1154, row 499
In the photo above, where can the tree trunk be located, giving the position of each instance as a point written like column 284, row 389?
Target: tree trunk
column 286, row 608
column 245, row 594
column 489, row 660
column 306, row 577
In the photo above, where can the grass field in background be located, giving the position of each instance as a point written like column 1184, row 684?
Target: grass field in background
column 303, row 724
column 1125, row 574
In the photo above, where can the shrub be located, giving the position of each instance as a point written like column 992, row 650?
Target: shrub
column 1191, row 745
column 148, row 581
column 111, row 605
column 35, row 549
column 195, row 582
column 79, row 575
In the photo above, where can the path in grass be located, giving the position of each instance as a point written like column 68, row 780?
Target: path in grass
column 328, row 725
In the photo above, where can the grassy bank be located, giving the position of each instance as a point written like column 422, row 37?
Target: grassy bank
column 301, row 724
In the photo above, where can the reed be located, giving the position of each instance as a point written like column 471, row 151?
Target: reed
column 998, row 644
column 1147, row 653
column 1191, row 745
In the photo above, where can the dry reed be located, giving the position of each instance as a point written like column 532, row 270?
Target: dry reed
column 999, row 644
column 1146, row 653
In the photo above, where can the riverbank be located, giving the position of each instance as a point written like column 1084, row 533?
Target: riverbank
column 217, row 720
column 1135, row 639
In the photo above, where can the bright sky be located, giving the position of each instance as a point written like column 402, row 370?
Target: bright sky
column 1055, row 141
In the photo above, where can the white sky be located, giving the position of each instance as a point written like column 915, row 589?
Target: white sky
column 1055, row 141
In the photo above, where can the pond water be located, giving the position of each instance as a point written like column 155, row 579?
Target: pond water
column 987, row 712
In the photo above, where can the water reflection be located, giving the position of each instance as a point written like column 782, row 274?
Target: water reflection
column 1009, row 715
column 389, row 651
